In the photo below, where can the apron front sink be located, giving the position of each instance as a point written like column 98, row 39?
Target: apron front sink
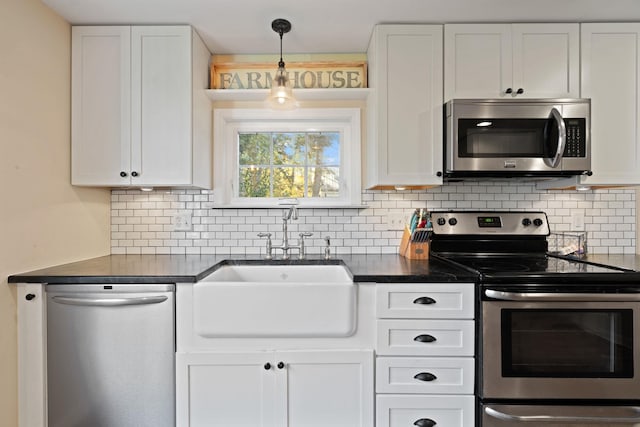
column 275, row 301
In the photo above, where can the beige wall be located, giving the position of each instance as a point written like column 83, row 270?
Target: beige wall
column 43, row 220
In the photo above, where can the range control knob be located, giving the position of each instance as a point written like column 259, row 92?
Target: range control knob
column 526, row 222
column 537, row 222
column 442, row 221
column 453, row 221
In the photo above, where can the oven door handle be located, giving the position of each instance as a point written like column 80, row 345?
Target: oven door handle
column 558, row 296
column 492, row 412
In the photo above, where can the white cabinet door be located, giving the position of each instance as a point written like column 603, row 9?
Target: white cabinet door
column 611, row 78
column 477, row 60
column 140, row 113
column 161, row 105
column 434, row 337
column 275, row 389
column 429, row 410
column 226, row 389
column 404, row 145
column 435, row 375
column 546, row 60
column 505, row 60
column 425, row 301
column 100, row 105
column 325, row 388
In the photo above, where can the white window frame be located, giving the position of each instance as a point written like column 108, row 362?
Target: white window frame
column 229, row 122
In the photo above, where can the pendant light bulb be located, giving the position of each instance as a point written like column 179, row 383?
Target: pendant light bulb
column 281, row 96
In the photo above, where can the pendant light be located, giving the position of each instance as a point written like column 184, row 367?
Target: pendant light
column 281, row 96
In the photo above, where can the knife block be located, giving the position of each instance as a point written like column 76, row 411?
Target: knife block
column 411, row 249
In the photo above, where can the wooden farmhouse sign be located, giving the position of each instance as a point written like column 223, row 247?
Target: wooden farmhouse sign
column 303, row 75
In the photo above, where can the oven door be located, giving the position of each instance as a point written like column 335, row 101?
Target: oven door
column 559, row 416
column 560, row 345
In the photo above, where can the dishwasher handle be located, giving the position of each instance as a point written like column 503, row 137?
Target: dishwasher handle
column 109, row 302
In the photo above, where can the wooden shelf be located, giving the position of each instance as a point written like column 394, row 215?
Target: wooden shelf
column 300, row 94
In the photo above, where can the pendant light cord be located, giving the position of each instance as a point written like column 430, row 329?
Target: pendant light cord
column 281, row 63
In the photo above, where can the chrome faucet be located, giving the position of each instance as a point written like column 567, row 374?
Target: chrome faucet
column 290, row 214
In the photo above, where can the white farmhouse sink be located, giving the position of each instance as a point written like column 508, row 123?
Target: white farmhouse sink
column 275, row 301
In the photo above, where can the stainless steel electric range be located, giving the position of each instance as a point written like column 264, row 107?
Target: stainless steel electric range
column 559, row 339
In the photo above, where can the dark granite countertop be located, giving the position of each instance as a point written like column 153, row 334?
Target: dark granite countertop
column 137, row 269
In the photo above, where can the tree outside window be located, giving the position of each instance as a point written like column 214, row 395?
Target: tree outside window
column 289, row 164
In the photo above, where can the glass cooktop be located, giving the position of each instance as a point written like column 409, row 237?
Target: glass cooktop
column 529, row 264
column 538, row 269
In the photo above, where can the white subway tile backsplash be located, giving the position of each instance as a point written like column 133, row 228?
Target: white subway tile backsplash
column 141, row 222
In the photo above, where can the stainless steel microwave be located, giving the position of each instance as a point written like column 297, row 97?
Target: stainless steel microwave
column 517, row 137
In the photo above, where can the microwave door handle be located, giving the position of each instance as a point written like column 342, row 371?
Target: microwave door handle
column 492, row 412
column 562, row 137
column 558, row 296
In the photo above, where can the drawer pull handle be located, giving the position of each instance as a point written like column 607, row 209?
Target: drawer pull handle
column 425, row 376
column 425, row 338
column 425, row 422
column 424, row 300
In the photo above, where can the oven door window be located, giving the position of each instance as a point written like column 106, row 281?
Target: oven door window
column 508, row 138
column 567, row 343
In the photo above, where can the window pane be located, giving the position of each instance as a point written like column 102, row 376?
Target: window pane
column 255, row 148
column 324, row 182
column 254, row 182
column 288, row 182
column 323, row 148
column 288, row 148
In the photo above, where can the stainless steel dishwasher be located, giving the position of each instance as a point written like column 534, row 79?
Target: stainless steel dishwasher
column 110, row 355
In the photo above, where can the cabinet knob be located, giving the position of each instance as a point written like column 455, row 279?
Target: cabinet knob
column 438, row 173
column 424, row 422
column 123, row 174
column 520, row 91
column 267, row 366
column 134, row 173
column 424, row 300
column 29, row 297
column 425, row 338
column 509, row 90
column 280, row 365
column 425, row 376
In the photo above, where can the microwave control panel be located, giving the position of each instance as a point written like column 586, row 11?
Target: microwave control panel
column 576, row 138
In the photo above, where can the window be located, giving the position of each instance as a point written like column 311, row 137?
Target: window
column 264, row 158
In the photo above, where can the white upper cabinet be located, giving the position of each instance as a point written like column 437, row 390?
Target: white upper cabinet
column 610, row 77
column 140, row 113
column 511, row 60
column 404, row 135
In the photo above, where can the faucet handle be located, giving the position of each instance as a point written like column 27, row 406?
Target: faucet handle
column 327, row 249
column 269, row 247
column 301, row 252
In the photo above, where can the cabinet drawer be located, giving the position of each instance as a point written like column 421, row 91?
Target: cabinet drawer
column 425, row 337
column 436, row 375
column 425, row 300
column 403, row 411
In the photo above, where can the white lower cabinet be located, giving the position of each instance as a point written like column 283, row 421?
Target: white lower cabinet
column 275, row 389
column 425, row 366
column 425, row 411
column 437, row 375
